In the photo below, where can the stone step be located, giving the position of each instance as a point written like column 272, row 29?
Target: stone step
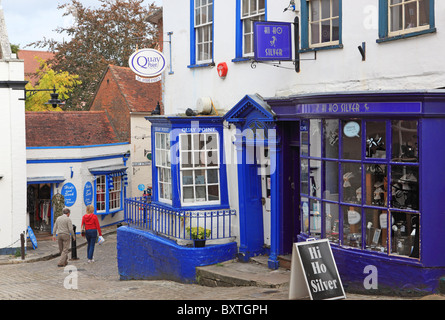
column 234, row 273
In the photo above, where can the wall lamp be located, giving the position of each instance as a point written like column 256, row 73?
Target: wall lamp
column 54, row 101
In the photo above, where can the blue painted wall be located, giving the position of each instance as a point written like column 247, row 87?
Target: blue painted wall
column 144, row 256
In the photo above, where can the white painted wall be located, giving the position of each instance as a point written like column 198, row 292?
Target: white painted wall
column 12, row 146
column 139, row 166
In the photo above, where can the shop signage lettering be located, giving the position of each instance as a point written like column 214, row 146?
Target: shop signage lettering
column 88, row 193
column 197, row 130
column 147, row 62
column 70, row 194
column 272, row 41
column 314, row 272
column 360, row 107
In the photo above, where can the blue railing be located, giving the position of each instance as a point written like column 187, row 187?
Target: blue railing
column 178, row 224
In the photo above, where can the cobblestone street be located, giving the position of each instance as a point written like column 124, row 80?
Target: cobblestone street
column 100, row 280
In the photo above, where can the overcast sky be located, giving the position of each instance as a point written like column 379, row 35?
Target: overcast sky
column 32, row 20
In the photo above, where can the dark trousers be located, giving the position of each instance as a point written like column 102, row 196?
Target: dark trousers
column 91, row 236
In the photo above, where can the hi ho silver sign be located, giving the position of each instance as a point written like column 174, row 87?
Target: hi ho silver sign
column 147, row 63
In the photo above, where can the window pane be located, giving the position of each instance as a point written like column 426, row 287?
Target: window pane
column 212, row 176
column 405, row 234
column 245, row 8
column 304, row 127
column 351, row 139
column 253, row 7
column 304, row 176
column 200, row 194
column 315, row 178
column 396, row 18
column 305, row 214
column 187, row 177
column 352, row 182
column 376, row 230
column 315, row 33
column 352, row 226
column 331, row 221
column 376, row 139
column 330, row 131
column 405, row 187
column 186, row 160
column 326, row 31
column 376, row 185
column 411, row 15
column 325, row 9
column 188, row 195
column 335, row 8
column 200, row 177
column 315, row 138
column 315, row 218
column 404, row 141
column 315, row 10
column 424, row 12
column 331, row 181
column 213, row 192
column 336, row 29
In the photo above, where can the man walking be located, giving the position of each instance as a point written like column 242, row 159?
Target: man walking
column 63, row 227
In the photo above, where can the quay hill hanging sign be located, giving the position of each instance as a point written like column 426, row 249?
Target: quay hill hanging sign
column 147, row 63
column 314, row 273
column 272, row 41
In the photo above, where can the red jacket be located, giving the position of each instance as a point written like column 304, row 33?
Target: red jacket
column 91, row 222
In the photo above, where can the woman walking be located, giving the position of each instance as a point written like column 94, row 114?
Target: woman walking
column 92, row 227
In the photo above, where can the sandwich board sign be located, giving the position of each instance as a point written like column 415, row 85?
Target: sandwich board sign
column 314, row 273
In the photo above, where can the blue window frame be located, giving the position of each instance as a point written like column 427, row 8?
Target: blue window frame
column 399, row 20
column 109, row 191
column 198, row 177
column 201, row 33
column 247, row 11
column 321, row 25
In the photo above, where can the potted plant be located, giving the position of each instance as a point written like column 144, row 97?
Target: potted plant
column 199, row 236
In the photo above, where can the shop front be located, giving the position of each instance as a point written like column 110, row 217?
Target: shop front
column 368, row 178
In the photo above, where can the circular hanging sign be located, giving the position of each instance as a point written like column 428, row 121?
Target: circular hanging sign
column 70, row 193
column 88, row 193
column 147, row 62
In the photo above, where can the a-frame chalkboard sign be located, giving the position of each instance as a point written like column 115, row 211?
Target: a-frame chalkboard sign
column 314, row 274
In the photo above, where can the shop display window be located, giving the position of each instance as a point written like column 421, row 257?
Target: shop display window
column 359, row 184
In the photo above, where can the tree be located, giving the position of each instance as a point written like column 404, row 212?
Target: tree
column 99, row 37
column 62, row 81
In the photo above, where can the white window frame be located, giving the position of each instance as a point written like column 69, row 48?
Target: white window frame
column 101, row 190
column 163, row 166
column 248, row 16
column 320, row 22
column 204, row 30
column 114, row 201
column 196, row 155
column 406, row 29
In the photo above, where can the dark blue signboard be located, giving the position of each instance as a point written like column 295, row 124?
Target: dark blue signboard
column 272, row 41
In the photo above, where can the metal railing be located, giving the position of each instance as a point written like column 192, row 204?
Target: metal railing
column 178, row 224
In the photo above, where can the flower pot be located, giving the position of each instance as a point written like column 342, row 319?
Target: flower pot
column 199, row 243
